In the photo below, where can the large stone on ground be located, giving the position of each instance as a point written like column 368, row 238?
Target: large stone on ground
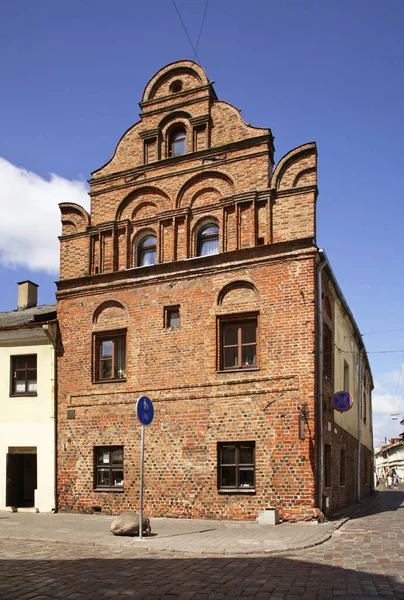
column 128, row 524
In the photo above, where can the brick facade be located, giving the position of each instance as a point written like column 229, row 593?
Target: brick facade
column 265, row 271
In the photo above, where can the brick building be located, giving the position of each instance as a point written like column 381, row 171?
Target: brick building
column 195, row 280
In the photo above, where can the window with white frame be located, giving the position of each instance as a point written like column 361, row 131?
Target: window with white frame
column 24, row 375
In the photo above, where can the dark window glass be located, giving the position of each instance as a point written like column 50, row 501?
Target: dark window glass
column 108, row 465
column 246, row 455
column 364, row 405
column 228, row 455
column 178, row 140
column 147, row 251
column 246, row 477
column 239, row 344
column 236, row 468
column 327, row 465
column 228, row 476
column 346, row 377
column 230, row 335
column 327, row 353
column 24, row 375
column 172, row 317
column 342, row 468
column 111, row 357
column 208, row 240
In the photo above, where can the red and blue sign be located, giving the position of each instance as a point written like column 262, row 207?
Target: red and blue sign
column 342, row 401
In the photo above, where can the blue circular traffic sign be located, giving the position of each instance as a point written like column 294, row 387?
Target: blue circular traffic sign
column 342, row 401
column 145, row 410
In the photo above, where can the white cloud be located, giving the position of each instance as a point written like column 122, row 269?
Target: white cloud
column 30, row 218
column 384, row 403
column 386, row 378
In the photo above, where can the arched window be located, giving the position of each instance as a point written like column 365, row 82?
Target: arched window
column 146, row 252
column 208, row 240
column 177, row 142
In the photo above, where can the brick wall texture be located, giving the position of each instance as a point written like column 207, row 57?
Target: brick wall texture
column 265, row 269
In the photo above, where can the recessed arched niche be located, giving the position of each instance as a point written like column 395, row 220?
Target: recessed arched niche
column 144, row 202
column 144, row 210
column 205, row 188
column 110, row 315
column 238, row 295
column 74, row 218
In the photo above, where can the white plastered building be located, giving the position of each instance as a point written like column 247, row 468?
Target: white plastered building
column 27, row 404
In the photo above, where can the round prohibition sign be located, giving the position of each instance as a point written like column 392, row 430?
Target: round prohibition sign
column 342, row 401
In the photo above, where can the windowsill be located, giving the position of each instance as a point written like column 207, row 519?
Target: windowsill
column 123, row 380
column 24, row 395
column 239, row 370
column 236, row 491
column 113, row 488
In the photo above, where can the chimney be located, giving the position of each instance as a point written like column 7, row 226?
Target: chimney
column 27, row 294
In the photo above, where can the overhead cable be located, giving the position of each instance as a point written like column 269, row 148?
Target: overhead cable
column 200, row 31
column 186, row 31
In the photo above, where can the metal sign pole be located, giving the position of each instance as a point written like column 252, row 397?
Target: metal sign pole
column 141, row 484
column 145, row 414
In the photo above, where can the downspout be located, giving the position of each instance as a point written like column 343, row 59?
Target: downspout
column 373, row 467
column 50, row 330
column 358, row 479
column 319, row 345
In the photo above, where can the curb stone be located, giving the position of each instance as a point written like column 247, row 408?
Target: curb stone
column 137, row 545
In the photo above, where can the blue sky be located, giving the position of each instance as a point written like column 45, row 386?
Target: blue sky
column 72, row 75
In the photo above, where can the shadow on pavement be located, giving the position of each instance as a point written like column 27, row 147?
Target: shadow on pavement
column 385, row 501
column 152, row 577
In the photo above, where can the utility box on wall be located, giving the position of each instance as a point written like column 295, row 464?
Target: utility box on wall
column 268, row 516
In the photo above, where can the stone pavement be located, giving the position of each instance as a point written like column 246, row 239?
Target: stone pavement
column 174, row 535
column 363, row 560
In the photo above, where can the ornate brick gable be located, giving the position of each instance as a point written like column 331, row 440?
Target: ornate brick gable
column 190, row 168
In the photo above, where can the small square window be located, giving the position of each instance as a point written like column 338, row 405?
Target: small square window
column 110, row 356
column 236, row 466
column 172, row 317
column 24, row 375
column 108, row 468
column 238, row 343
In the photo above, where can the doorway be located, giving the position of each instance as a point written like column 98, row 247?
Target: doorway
column 21, row 477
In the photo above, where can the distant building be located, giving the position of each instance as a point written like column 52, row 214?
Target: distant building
column 196, row 280
column 390, row 457
column 27, row 404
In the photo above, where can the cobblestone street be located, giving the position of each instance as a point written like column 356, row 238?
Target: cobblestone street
column 364, row 558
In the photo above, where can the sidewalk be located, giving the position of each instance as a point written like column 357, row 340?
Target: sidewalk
column 175, row 535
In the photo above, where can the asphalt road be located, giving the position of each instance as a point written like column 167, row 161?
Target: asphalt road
column 365, row 558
